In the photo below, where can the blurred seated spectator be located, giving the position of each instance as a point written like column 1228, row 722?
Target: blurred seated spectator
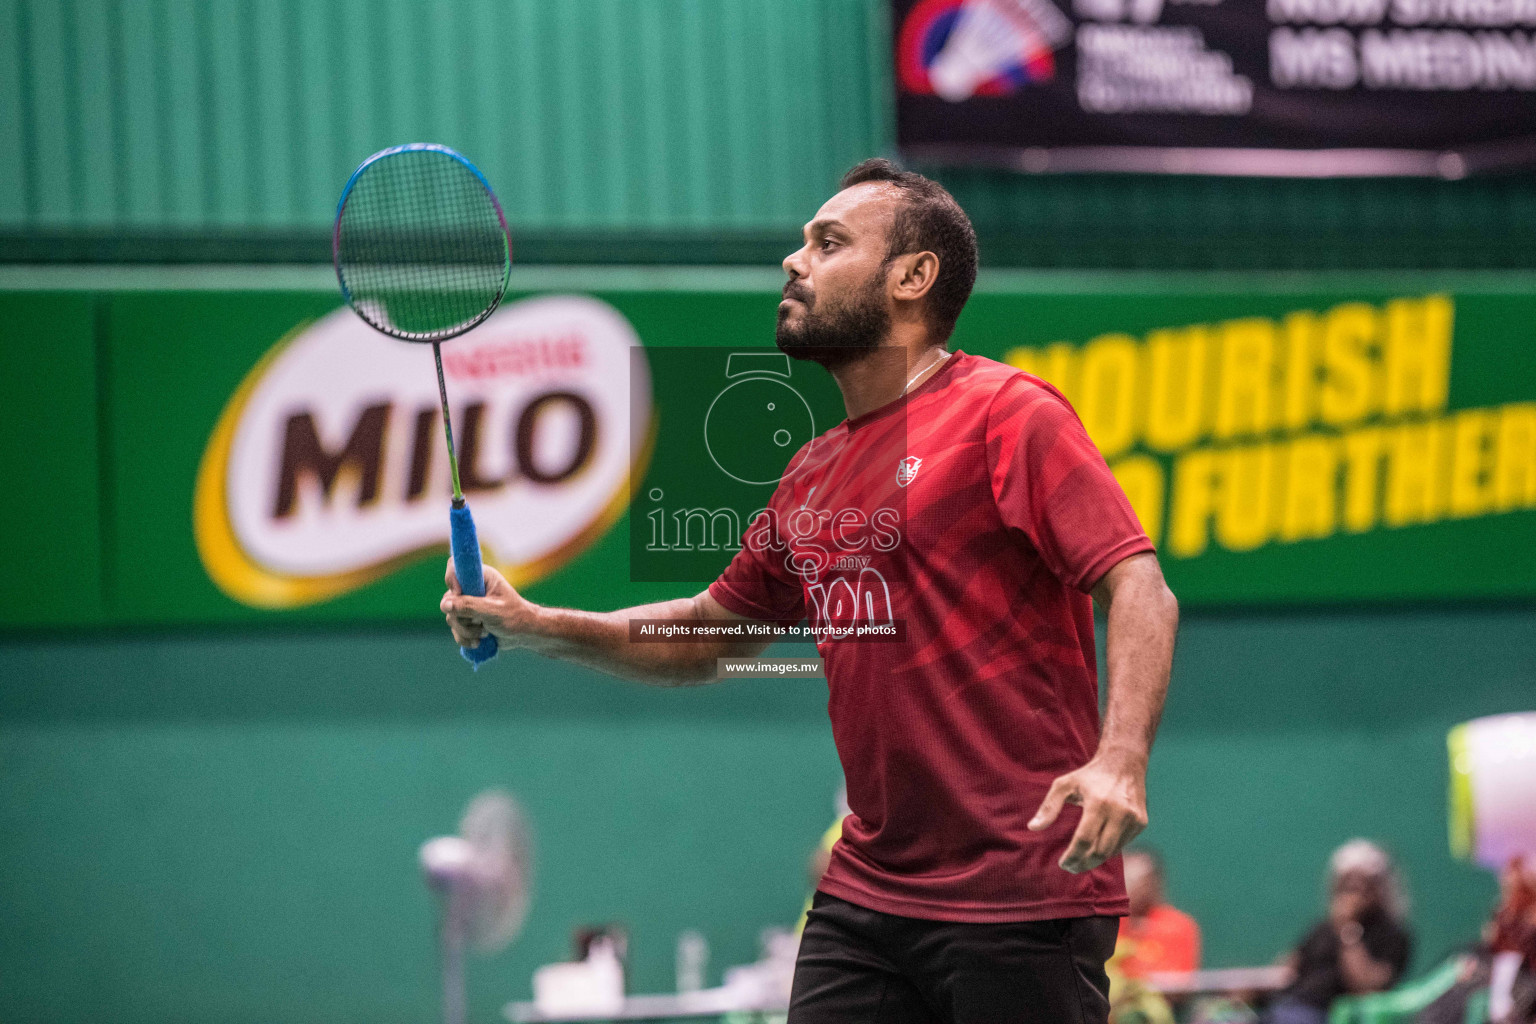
column 1511, row 942
column 1131, row 1001
column 1156, row 936
column 1362, row 946
column 1500, row 972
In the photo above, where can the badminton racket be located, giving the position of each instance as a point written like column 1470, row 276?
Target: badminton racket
column 423, row 254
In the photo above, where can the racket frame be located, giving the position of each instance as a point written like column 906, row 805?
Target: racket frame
column 436, row 338
column 506, row 234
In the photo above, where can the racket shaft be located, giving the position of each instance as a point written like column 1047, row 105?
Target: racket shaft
column 471, row 574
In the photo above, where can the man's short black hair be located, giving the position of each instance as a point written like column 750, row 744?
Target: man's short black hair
column 928, row 221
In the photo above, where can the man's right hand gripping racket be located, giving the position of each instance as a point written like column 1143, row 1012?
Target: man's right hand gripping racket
column 423, row 254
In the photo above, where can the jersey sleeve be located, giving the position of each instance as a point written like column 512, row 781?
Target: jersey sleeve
column 757, row 583
column 1052, row 485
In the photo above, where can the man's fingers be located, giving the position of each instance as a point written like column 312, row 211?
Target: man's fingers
column 1084, row 839
column 1130, row 827
column 457, row 604
column 1108, row 843
column 476, row 609
column 465, row 607
column 1080, row 849
column 1121, row 825
column 1056, row 798
column 466, row 631
column 465, row 634
column 469, row 618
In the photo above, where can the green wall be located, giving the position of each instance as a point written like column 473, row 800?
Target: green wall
column 219, row 823
column 680, row 131
column 677, row 114
column 223, row 826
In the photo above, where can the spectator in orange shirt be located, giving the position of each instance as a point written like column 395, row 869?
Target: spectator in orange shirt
column 1155, row 937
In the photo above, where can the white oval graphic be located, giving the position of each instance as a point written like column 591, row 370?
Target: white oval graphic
column 328, row 468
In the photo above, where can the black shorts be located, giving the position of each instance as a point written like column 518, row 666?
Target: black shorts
column 859, row 966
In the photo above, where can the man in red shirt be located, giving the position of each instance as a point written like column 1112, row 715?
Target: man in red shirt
column 962, row 506
column 1155, row 937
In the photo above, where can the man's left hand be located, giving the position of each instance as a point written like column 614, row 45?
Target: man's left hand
column 1114, row 803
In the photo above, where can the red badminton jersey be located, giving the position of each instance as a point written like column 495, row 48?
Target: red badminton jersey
column 973, row 516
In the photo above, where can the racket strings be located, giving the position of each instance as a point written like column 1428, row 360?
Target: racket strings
column 421, row 246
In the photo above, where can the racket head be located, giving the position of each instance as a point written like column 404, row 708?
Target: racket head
column 420, row 244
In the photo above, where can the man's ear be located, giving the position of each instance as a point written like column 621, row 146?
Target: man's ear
column 913, row 275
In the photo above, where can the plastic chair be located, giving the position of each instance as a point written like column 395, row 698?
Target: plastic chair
column 1399, row 1005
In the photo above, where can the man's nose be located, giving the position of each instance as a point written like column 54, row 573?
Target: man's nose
column 794, row 264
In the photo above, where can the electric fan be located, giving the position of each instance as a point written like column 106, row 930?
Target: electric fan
column 482, row 877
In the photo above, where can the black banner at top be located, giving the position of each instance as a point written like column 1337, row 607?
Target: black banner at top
column 1306, row 88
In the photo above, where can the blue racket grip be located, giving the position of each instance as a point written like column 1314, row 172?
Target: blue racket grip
column 466, row 565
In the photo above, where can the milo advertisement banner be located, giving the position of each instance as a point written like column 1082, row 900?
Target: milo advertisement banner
column 327, row 468
column 1317, row 449
column 263, row 456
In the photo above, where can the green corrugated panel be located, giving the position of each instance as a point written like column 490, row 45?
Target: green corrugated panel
column 48, row 112
column 1239, row 223
column 600, row 117
column 587, row 114
column 96, row 55
column 12, row 167
column 138, row 182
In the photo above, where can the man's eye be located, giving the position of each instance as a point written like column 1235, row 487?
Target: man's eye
column 827, row 243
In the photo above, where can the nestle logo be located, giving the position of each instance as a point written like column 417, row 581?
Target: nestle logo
column 517, row 357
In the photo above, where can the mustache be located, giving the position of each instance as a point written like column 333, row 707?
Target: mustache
column 797, row 291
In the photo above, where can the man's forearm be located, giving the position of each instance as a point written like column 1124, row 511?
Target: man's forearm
column 1143, row 620
column 601, row 640
column 1111, row 787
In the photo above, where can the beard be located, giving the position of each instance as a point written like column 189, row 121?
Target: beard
column 837, row 335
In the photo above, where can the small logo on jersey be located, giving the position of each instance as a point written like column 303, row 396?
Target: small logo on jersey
column 906, row 470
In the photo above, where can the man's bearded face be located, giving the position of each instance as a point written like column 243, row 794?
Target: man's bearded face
column 834, row 330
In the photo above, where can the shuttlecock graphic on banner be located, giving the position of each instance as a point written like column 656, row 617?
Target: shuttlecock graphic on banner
column 962, row 48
